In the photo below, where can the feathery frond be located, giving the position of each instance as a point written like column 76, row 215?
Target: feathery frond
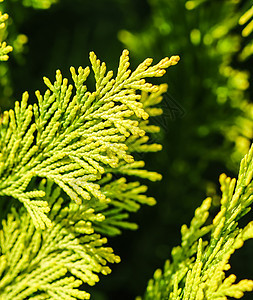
column 74, row 137
column 52, row 263
column 199, row 265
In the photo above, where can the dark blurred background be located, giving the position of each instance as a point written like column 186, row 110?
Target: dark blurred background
column 207, row 123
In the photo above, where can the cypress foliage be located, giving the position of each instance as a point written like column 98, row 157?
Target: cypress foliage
column 68, row 162
column 199, row 265
column 65, row 158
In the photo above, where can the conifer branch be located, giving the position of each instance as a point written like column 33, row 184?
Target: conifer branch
column 52, row 263
column 82, row 142
column 74, row 137
column 199, row 265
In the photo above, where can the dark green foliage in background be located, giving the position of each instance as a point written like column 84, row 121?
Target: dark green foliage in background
column 212, row 126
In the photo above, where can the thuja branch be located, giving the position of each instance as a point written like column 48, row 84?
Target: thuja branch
column 74, row 137
column 82, row 144
column 198, row 266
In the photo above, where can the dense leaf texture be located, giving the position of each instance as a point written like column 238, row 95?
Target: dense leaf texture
column 198, row 266
column 81, row 143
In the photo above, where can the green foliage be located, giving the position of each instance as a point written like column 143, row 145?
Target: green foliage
column 199, row 264
column 213, row 84
column 245, row 18
column 4, row 48
column 39, row 4
column 74, row 140
column 78, row 140
column 213, row 69
column 246, row 21
column 85, row 145
column 17, row 41
column 45, row 264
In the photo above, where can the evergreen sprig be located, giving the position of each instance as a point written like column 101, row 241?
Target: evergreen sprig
column 52, row 263
column 80, row 143
column 199, row 265
column 75, row 138
column 4, row 48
